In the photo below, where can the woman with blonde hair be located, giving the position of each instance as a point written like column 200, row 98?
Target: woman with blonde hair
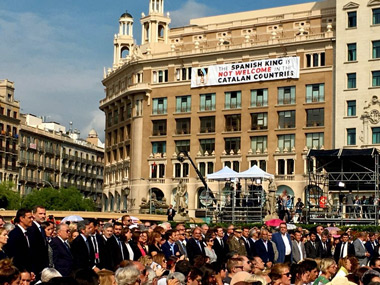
column 106, row 277
column 9, row 274
column 328, row 268
column 3, row 241
column 344, row 266
column 280, row 274
column 160, row 260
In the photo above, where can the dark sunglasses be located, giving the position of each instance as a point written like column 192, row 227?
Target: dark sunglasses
column 287, row 274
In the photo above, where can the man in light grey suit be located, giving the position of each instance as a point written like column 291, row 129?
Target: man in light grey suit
column 361, row 252
column 298, row 248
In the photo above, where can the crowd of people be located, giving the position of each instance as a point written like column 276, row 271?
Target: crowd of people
column 34, row 250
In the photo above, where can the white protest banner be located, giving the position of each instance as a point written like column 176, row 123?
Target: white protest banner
column 236, row 73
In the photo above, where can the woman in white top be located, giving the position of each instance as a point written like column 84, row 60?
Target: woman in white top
column 210, row 252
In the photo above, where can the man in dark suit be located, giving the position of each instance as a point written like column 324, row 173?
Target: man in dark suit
column 325, row 246
column 245, row 238
column 312, row 247
column 81, row 248
column 99, row 244
column 169, row 247
column 264, row 249
column 62, row 258
column 181, row 242
column 220, row 246
column 344, row 248
column 194, row 246
column 38, row 242
column 115, row 247
column 370, row 245
column 18, row 246
column 170, row 213
column 283, row 244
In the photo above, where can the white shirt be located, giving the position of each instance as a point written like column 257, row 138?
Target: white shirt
column 300, row 249
column 130, row 251
column 288, row 249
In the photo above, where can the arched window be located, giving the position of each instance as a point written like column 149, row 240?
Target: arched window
column 111, row 205
column 105, row 203
column 161, row 31
column 124, row 52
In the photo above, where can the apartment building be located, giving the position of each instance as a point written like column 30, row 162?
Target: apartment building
column 162, row 98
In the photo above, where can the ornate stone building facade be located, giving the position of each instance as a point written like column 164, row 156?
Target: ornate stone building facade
column 153, row 113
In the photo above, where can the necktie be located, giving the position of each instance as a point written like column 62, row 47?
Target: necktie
column 67, row 246
column 324, row 246
column 27, row 239
column 373, row 246
column 342, row 251
column 199, row 244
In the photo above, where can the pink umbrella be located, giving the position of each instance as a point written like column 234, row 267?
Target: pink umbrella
column 274, row 222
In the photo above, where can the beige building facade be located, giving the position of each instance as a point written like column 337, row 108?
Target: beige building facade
column 152, row 113
column 51, row 157
column 9, row 132
column 357, row 74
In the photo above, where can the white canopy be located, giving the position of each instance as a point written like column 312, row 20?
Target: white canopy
column 254, row 172
column 223, row 174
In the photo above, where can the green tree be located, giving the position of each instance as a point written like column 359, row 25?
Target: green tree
column 9, row 199
column 63, row 199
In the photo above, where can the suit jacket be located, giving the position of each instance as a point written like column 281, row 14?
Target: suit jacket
column 237, row 245
column 312, row 251
column 83, row 256
column 168, row 251
column 115, row 252
column 39, row 248
column 62, row 257
column 370, row 249
column 220, row 250
column 181, row 247
column 360, row 251
column 350, row 250
column 296, row 255
column 170, row 213
column 277, row 239
column 17, row 248
column 249, row 246
column 193, row 249
column 261, row 250
column 325, row 253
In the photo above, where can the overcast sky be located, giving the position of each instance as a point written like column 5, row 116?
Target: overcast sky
column 55, row 51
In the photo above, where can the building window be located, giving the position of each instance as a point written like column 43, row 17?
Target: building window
column 158, row 147
column 129, row 111
column 159, row 128
column 259, row 121
column 351, row 136
column 207, row 102
column 376, row 16
column 183, row 73
column 183, row 126
column 315, row 140
column 181, row 170
column 351, row 108
column 315, row 59
column 109, row 119
column 376, row 49
column 286, row 119
column 351, row 80
column 259, row 143
column 351, row 19
column 233, row 123
column 158, row 170
column 182, row 146
column 286, row 95
column 376, row 78
column 183, row 104
column 315, row 93
column 315, row 117
column 206, row 168
column 207, row 145
column 160, row 76
column 376, row 135
column 286, row 141
column 260, row 163
column 232, row 144
column 351, row 52
column 259, row 97
column 207, row 124
column 232, row 100
column 160, row 106
column 234, row 165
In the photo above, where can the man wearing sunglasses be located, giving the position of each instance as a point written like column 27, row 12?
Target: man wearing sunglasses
column 126, row 221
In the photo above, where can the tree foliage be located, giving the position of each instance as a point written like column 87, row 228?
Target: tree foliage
column 9, row 199
column 63, row 199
